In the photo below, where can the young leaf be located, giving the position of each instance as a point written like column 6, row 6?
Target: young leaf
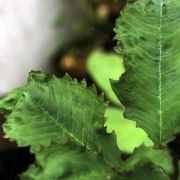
column 58, row 110
column 103, row 66
column 128, row 135
column 148, row 37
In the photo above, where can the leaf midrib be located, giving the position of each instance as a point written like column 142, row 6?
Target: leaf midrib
column 51, row 118
column 160, row 71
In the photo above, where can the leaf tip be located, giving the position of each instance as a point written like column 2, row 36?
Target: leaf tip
column 83, row 82
column 93, row 89
column 67, row 77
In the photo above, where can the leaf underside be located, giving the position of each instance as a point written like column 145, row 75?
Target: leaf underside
column 148, row 36
column 128, row 135
column 103, row 66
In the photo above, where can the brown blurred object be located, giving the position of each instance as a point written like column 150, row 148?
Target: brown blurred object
column 73, row 65
column 108, row 8
column 103, row 11
column 68, row 62
column 115, row 7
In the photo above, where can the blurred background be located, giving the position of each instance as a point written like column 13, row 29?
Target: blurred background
column 54, row 36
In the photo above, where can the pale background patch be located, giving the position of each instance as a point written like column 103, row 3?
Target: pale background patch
column 27, row 37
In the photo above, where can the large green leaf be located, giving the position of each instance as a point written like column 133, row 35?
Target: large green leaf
column 148, row 38
column 49, row 110
column 103, row 66
column 128, row 135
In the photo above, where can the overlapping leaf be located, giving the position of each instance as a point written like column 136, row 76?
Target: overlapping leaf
column 144, row 155
column 71, row 162
column 67, row 162
column 103, row 66
column 45, row 113
column 49, row 110
column 148, row 163
column 148, row 37
column 128, row 135
column 63, row 122
column 146, row 172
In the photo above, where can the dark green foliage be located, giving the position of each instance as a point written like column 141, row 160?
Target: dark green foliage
column 148, row 38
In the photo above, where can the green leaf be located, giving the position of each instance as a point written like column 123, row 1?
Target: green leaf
column 147, row 164
column 148, row 38
column 146, row 173
column 146, row 155
column 8, row 103
column 70, row 162
column 128, row 135
column 60, row 162
column 103, row 66
column 49, row 110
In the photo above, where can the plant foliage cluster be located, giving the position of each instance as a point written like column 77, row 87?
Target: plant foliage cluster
column 69, row 126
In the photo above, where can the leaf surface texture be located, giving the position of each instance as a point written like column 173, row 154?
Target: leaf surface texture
column 148, row 37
